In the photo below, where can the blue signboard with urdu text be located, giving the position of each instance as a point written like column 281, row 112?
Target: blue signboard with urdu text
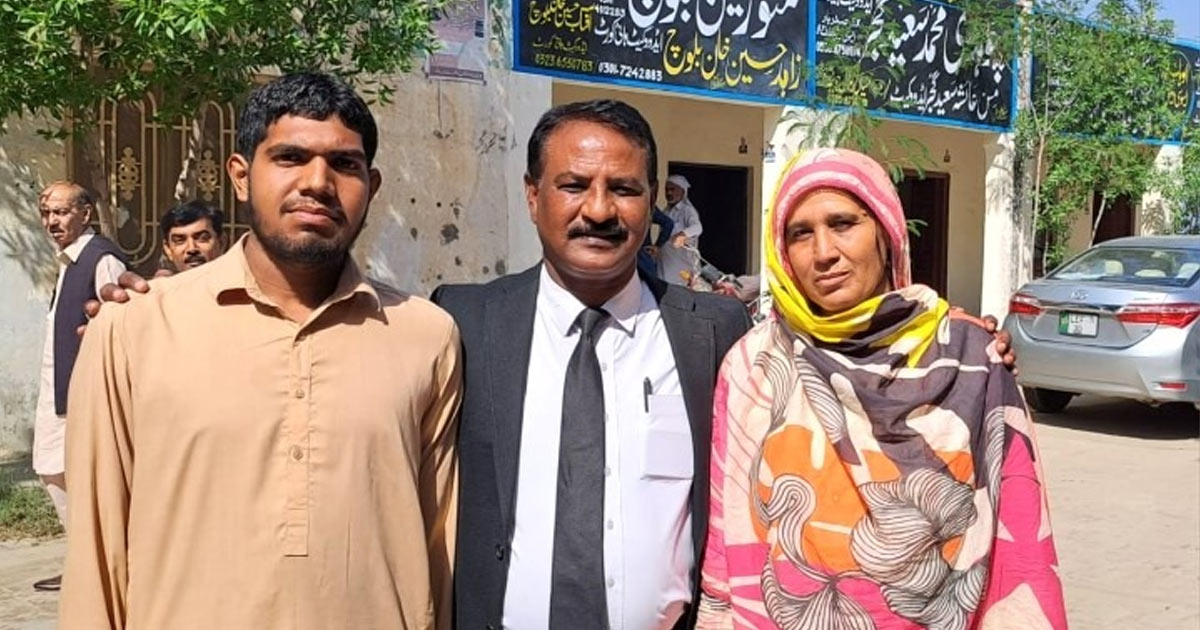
column 750, row 48
column 766, row 51
column 926, row 72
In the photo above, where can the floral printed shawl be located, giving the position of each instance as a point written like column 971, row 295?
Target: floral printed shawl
column 882, row 474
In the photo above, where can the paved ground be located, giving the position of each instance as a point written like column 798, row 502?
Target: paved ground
column 22, row 564
column 1124, row 484
column 1125, row 498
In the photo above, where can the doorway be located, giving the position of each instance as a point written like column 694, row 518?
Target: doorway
column 926, row 202
column 721, row 197
column 1117, row 220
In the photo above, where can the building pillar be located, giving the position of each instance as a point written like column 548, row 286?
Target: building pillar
column 1007, row 246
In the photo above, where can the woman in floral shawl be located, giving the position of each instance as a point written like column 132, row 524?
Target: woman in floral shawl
column 873, row 463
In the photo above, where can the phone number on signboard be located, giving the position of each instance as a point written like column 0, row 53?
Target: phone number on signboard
column 626, row 71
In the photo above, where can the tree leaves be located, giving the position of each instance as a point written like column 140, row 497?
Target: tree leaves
column 1100, row 89
column 67, row 55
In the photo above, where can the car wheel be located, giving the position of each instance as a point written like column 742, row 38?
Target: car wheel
column 1183, row 411
column 1047, row 400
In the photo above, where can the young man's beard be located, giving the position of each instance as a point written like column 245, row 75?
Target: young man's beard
column 315, row 252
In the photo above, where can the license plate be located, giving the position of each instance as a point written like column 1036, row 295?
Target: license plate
column 1077, row 324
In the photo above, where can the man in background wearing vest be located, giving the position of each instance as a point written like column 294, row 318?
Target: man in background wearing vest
column 86, row 261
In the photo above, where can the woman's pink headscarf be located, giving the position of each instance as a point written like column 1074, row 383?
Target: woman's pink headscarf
column 857, row 174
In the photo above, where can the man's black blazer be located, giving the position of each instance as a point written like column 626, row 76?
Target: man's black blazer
column 496, row 322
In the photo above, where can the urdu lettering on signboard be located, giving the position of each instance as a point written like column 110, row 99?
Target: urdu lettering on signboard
column 924, row 71
column 736, row 47
column 1185, row 77
column 765, row 51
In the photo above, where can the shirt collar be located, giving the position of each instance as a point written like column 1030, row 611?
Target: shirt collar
column 231, row 272
column 563, row 308
column 70, row 253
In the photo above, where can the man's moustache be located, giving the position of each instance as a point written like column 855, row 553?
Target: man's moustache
column 333, row 211
column 614, row 233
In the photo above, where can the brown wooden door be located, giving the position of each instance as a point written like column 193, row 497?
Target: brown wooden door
column 927, row 200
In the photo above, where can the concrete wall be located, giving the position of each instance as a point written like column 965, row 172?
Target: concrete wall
column 1007, row 224
column 27, row 272
column 1155, row 215
column 451, row 208
column 1080, row 237
column 1151, row 215
column 693, row 130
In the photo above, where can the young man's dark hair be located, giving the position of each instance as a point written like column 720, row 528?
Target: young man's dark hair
column 618, row 115
column 309, row 95
column 190, row 212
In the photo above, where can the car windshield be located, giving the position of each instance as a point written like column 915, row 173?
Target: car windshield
column 1158, row 266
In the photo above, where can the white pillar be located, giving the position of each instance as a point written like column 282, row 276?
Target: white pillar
column 1007, row 252
column 1155, row 215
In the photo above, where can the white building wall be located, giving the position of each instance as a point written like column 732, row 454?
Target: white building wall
column 1154, row 214
column 1006, row 261
column 27, row 273
column 451, row 208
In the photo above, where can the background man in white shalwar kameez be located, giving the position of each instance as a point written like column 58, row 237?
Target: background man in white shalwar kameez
column 679, row 255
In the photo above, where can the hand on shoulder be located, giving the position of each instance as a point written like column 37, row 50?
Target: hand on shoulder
column 128, row 283
column 1002, row 337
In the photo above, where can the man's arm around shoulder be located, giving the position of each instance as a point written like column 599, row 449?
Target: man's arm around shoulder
column 99, row 462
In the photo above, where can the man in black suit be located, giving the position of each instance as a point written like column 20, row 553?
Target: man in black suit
column 585, row 429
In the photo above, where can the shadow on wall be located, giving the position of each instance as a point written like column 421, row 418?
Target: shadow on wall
column 22, row 239
column 24, row 245
column 1154, row 216
column 1002, row 190
column 27, row 272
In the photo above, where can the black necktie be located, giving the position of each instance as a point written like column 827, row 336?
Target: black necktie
column 577, row 591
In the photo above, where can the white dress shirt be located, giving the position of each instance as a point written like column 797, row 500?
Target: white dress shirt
column 648, row 464
column 48, row 447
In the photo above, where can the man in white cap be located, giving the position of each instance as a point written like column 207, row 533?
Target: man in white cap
column 680, row 255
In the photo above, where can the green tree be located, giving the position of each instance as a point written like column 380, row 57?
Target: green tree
column 59, row 58
column 1179, row 185
column 1099, row 85
column 863, row 73
column 1097, row 88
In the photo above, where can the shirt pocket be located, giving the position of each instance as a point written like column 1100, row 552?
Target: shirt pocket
column 666, row 440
